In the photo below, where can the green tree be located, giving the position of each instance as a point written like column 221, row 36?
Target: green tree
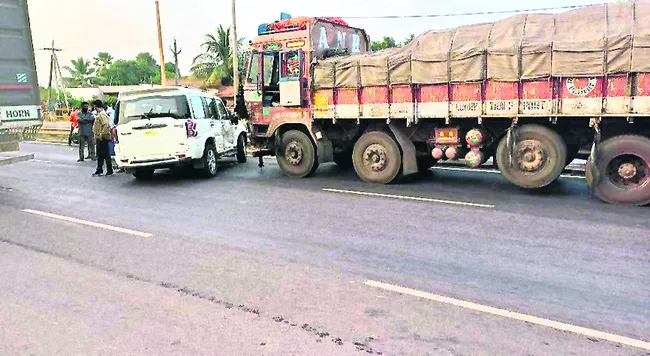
column 81, row 73
column 215, row 63
column 124, row 73
column 142, row 70
column 147, row 67
column 170, row 71
column 386, row 42
column 408, row 40
column 102, row 62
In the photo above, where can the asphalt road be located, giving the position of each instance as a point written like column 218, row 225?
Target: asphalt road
column 255, row 263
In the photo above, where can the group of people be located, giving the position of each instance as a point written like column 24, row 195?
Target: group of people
column 95, row 126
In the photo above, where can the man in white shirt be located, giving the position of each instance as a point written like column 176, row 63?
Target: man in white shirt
column 111, row 115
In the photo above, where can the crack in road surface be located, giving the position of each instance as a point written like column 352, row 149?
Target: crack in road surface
column 320, row 334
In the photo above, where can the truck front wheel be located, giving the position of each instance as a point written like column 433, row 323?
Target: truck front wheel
column 377, row 158
column 621, row 174
column 296, row 154
column 535, row 158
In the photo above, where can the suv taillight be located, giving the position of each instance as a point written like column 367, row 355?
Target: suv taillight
column 116, row 140
column 190, row 127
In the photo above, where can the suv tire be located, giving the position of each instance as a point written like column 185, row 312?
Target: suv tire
column 209, row 160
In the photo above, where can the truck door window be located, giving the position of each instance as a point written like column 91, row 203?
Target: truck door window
column 254, row 69
column 290, row 65
column 271, row 66
column 271, row 80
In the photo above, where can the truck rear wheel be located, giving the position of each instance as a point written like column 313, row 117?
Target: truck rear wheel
column 296, row 154
column 622, row 171
column 377, row 158
column 539, row 156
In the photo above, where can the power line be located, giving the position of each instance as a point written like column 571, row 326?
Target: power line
column 458, row 14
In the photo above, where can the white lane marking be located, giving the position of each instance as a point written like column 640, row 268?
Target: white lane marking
column 572, row 177
column 492, row 172
column 41, row 161
column 513, row 315
column 404, row 197
column 89, row 223
column 466, row 170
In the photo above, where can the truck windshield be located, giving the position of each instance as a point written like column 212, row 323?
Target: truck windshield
column 154, row 106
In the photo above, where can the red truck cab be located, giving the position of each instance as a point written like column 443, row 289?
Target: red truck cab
column 278, row 86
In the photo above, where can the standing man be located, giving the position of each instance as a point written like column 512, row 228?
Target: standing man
column 86, row 120
column 73, row 124
column 102, row 134
column 111, row 114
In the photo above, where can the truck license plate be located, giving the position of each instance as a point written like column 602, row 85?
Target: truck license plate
column 447, row 136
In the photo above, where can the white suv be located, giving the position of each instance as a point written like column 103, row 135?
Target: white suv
column 174, row 127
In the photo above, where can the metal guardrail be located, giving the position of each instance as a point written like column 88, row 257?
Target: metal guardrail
column 22, row 133
column 54, row 131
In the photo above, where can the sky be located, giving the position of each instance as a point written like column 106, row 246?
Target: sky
column 124, row 28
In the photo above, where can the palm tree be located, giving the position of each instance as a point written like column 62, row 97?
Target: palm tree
column 80, row 73
column 215, row 63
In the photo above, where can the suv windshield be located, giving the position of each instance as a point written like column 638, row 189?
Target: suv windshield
column 154, row 106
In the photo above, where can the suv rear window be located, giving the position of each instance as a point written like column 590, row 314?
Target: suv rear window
column 154, row 106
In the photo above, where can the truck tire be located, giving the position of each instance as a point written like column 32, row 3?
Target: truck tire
column 539, row 157
column 344, row 159
column 209, row 161
column 296, row 154
column 143, row 174
column 241, row 149
column 377, row 158
column 623, row 167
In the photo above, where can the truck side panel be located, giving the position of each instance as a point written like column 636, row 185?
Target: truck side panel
column 19, row 96
column 619, row 95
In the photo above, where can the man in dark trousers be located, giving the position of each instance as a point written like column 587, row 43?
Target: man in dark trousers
column 102, row 133
column 86, row 120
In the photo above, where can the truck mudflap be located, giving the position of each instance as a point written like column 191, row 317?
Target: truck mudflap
column 409, row 160
column 592, row 173
column 324, row 147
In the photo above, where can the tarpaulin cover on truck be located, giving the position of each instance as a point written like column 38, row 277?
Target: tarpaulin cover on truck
column 587, row 42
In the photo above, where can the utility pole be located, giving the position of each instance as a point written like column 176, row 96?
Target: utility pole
column 163, row 72
column 235, row 50
column 52, row 60
column 176, row 51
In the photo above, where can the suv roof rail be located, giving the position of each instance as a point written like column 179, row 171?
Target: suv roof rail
column 157, row 91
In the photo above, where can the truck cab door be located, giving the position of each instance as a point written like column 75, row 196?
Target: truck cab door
column 291, row 71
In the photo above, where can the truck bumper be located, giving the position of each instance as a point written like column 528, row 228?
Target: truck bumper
column 262, row 152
